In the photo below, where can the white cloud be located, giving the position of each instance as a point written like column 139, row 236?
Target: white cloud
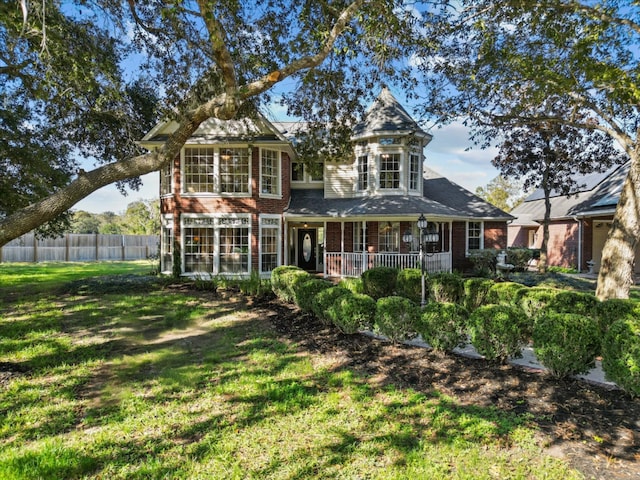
column 109, row 198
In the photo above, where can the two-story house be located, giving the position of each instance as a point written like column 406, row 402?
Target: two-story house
column 238, row 199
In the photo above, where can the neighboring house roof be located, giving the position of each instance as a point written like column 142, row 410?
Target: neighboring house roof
column 387, row 116
column 442, row 199
column 597, row 194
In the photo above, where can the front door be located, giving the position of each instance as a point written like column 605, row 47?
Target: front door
column 307, row 249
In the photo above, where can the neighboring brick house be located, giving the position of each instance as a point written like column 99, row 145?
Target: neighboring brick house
column 579, row 223
column 238, row 199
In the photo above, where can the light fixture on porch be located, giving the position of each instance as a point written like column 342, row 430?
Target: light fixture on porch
column 428, row 235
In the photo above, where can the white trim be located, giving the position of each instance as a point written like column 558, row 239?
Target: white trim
column 466, row 235
column 277, row 195
column 278, row 236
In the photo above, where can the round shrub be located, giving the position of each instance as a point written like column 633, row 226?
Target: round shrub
column 498, row 331
column 536, row 299
column 569, row 301
column 566, row 343
column 396, row 318
column 613, row 309
column 323, row 303
column 279, row 282
column 379, row 282
column 354, row 312
column 505, row 293
column 352, row 284
column 443, row 325
column 409, row 284
column 307, row 292
column 519, row 257
column 476, row 291
column 621, row 354
column 446, row 287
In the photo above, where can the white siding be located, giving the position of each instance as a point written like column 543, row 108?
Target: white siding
column 339, row 180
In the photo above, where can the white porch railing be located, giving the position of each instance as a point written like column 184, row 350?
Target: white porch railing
column 353, row 264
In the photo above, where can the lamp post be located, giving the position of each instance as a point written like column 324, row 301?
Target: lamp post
column 426, row 235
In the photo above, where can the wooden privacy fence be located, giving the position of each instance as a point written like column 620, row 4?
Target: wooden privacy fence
column 77, row 247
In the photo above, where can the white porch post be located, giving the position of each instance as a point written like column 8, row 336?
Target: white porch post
column 364, row 246
column 450, row 245
column 324, row 252
column 342, row 248
column 285, row 245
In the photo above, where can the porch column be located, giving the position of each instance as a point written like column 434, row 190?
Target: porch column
column 450, row 246
column 325, row 265
column 364, row 246
column 342, row 249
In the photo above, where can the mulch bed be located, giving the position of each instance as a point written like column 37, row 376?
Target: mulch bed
column 594, row 427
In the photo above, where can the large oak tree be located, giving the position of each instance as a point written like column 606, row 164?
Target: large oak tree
column 207, row 58
column 498, row 62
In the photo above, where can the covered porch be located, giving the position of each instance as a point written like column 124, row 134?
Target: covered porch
column 346, row 264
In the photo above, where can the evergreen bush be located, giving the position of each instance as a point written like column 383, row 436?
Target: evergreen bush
column 409, row 284
column 498, row 331
column 519, row 258
column 396, row 318
column 534, row 300
column 483, row 261
column 443, row 325
column 609, row 311
column 280, row 284
column 307, row 292
column 621, row 354
column 353, row 284
column 476, row 291
column 378, row 282
column 566, row 343
column 446, row 287
column 354, row 312
column 569, row 301
column 505, row 293
column 323, row 303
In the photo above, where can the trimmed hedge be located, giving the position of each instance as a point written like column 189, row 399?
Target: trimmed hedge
column 443, row 325
column 379, row 282
column 498, row 331
column 534, row 300
column 353, row 284
column 476, row 291
column 621, row 354
column 569, row 301
column 323, row 303
column 396, row 318
column 354, row 312
column 519, row 257
column 609, row 311
column 566, row 343
column 446, row 287
column 483, row 261
column 409, row 284
column 505, row 293
column 308, row 290
column 282, row 279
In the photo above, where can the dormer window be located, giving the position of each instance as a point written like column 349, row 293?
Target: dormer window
column 390, row 171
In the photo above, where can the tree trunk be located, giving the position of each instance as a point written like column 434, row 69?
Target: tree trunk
column 543, row 261
column 618, row 255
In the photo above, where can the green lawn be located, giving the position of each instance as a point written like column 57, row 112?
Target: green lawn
column 156, row 383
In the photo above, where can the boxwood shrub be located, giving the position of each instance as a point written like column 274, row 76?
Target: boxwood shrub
column 396, row 318
column 353, row 284
column 409, row 284
column 519, row 257
column 378, row 282
column 613, row 309
column 476, row 291
column 621, row 354
column 534, row 300
column 569, row 301
column 443, row 325
column 281, row 281
column 498, row 331
column 308, row 290
column 483, row 261
column 446, row 287
column 505, row 293
column 323, row 303
column 566, row 343
column 354, row 312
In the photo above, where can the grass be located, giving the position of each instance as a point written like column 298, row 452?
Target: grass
column 161, row 384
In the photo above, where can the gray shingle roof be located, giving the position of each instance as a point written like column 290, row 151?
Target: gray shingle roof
column 442, row 198
column 386, row 115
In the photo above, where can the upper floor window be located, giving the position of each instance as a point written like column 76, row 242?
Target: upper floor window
column 199, row 174
column 166, row 173
column 297, row 172
column 474, row 236
column 317, row 172
column 414, row 172
column 301, row 173
column 389, row 141
column 234, row 170
column 270, row 172
column 390, row 170
column 363, row 172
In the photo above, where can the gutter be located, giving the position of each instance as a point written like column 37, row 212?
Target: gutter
column 579, row 243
